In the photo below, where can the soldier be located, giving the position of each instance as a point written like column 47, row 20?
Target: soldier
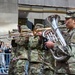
column 68, row 66
column 70, row 24
column 35, row 52
column 48, row 60
column 18, row 61
column 39, row 56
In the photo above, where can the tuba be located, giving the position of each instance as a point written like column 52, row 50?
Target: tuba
column 60, row 52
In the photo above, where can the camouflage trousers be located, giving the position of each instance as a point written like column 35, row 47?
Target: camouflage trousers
column 17, row 67
column 20, row 66
column 48, row 63
column 48, row 72
column 62, row 68
column 35, row 69
column 12, row 68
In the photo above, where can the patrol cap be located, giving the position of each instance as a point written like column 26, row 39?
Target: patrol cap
column 38, row 25
column 70, row 14
column 24, row 27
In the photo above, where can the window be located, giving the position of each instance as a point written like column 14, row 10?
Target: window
column 41, row 21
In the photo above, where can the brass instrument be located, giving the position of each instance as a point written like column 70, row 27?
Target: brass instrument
column 24, row 32
column 61, row 53
column 35, row 31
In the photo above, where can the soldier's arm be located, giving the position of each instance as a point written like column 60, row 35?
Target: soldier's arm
column 73, row 38
column 17, row 58
column 73, row 42
column 20, row 40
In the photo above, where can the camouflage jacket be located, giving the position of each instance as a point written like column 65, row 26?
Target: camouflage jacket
column 72, row 59
column 21, row 47
column 35, row 49
column 71, row 62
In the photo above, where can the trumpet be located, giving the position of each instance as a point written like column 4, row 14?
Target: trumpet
column 24, row 32
column 35, row 31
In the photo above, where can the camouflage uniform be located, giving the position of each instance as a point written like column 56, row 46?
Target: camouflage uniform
column 48, row 59
column 35, row 55
column 20, row 56
column 71, row 61
column 41, row 60
column 22, row 52
column 48, row 63
column 68, row 68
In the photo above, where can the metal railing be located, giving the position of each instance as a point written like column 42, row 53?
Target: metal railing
column 4, row 62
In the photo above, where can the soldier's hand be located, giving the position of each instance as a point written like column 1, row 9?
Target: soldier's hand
column 39, row 33
column 49, row 44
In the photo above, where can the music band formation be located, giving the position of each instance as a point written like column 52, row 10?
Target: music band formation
column 45, row 50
